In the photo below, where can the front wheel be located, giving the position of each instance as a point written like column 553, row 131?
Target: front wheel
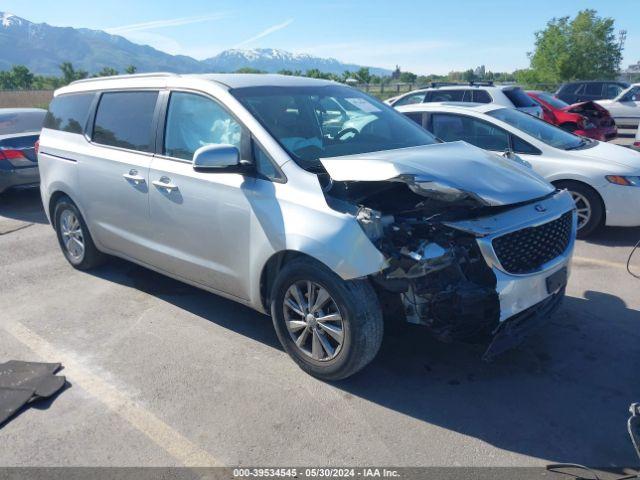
column 589, row 207
column 330, row 327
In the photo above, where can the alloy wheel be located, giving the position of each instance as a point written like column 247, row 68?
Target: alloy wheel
column 72, row 237
column 313, row 320
column 583, row 208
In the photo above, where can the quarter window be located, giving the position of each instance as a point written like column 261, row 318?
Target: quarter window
column 194, row 121
column 415, row 116
column 69, row 113
column 125, row 119
column 450, row 127
column 410, row 99
column 520, row 146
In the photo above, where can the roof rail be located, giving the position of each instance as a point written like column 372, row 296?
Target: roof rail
column 481, row 83
column 133, row 75
column 443, row 84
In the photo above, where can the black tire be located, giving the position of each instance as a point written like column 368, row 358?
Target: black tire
column 91, row 257
column 597, row 207
column 358, row 305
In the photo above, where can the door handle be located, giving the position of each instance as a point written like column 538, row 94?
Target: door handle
column 133, row 176
column 165, row 183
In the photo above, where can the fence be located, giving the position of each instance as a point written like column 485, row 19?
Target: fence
column 25, row 98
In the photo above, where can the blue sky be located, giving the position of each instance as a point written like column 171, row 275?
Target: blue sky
column 421, row 36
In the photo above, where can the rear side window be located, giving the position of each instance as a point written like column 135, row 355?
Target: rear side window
column 21, row 122
column 69, row 113
column 451, row 127
column 519, row 98
column 481, row 96
column 594, row 89
column 125, row 119
column 415, row 116
column 447, row 96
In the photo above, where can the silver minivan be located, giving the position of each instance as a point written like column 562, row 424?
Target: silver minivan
column 309, row 201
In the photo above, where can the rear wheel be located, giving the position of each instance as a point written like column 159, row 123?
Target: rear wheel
column 330, row 327
column 589, row 206
column 74, row 237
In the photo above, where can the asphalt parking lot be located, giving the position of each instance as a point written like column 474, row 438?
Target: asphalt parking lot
column 162, row 374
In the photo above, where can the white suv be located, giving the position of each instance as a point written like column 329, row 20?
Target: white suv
column 479, row 92
column 308, row 200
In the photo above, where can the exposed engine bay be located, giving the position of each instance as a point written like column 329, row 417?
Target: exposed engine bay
column 436, row 275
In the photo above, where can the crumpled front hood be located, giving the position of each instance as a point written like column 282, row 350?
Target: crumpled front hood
column 488, row 177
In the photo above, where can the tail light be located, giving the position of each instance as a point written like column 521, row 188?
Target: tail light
column 11, row 154
column 636, row 144
column 36, row 146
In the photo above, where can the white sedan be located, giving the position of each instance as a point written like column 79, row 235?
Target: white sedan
column 604, row 179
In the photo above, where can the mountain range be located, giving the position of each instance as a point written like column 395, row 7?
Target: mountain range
column 42, row 48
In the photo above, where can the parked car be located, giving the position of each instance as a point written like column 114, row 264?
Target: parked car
column 589, row 90
column 636, row 143
column 19, row 131
column 479, row 92
column 602, row 178
column 625, row 109
column 587, row 119
column 251, row 187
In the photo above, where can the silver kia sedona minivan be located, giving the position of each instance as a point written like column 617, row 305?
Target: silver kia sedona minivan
column 309, row 201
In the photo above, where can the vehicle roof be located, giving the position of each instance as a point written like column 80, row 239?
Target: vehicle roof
column 228, row 80
column 22, row 110
column 621, row 82
column 453, row 106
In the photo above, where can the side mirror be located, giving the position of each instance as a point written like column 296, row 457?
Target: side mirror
column 216, row 158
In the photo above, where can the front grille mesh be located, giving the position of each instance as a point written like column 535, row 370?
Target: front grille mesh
column 526, row 250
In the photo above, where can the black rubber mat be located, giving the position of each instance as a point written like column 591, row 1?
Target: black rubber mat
column 25, row 382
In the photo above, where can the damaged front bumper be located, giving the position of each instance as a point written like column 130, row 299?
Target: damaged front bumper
column 517, row 289
column 489, row 279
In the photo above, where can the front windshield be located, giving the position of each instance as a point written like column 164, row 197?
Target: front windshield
column 329, row 121
column 553, row 101
column 539, row 129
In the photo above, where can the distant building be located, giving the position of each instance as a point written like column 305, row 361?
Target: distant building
column 635, row 68
column 395, row 75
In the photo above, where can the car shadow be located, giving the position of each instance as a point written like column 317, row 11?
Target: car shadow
column 562, row 396
column 23, row 205
column 615, row 236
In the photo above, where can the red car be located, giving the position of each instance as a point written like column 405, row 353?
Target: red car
column 587, row 119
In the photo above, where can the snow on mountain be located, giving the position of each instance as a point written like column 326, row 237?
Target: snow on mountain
column 42, row 48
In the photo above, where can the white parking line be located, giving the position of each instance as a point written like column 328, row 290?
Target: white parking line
column 163, row 435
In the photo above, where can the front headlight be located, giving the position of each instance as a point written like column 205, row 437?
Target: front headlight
column 625, row 180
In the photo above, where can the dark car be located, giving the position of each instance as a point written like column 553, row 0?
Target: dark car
column 584, row 91
column 19, row 132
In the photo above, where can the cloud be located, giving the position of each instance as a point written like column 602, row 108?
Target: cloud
column 265, row 32
column 172, row 22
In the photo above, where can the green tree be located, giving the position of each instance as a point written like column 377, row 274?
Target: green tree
column 583, row 48
column 249, row 70
column 363, row 75
column 106, row 72
column 70, row 74
column 131, row 69
column 22, row 77
column 408, row 77
column 468, row 75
